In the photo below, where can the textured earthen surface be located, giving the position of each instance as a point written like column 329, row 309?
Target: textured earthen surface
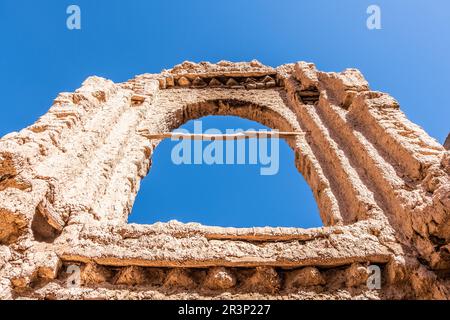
column 68, row 183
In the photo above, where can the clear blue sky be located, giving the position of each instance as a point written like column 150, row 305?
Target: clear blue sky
column 40, row 57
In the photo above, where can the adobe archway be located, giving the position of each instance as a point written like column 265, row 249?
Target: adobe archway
column 266, row 107
column 381, row 183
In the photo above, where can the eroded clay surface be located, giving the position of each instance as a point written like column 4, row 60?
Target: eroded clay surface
column 68, row 183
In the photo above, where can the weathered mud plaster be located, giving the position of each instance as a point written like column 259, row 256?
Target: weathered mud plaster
column 68, row 183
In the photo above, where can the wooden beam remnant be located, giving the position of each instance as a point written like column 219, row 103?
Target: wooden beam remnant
column 210, row 137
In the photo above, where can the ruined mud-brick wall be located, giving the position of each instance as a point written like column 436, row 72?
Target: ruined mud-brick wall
column 68, row 183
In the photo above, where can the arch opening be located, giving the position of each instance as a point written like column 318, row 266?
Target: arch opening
column 227, row 195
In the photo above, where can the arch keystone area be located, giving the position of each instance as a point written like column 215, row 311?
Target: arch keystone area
column 68, row 183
